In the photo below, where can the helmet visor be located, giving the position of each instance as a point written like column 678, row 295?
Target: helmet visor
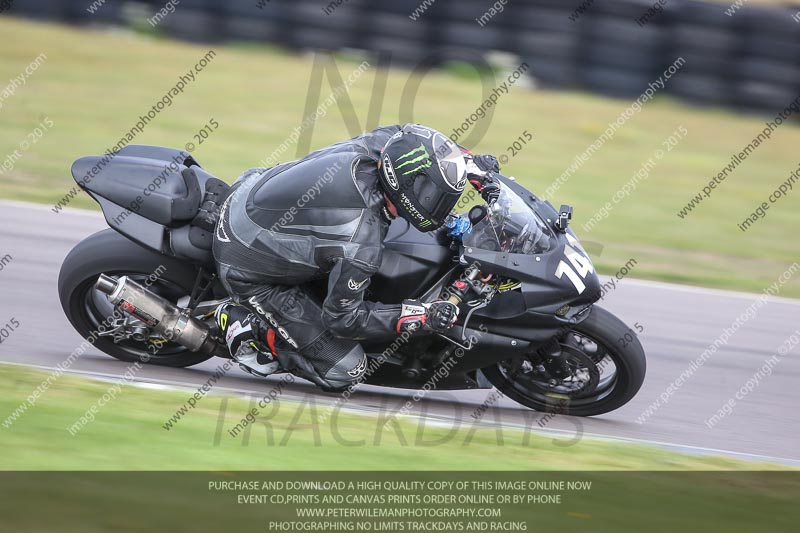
column 434, row 200
column 451, row 162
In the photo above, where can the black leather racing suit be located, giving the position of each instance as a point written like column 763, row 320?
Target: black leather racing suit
column 323, row 215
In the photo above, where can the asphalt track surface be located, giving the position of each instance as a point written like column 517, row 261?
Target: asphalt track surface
column 679, row 324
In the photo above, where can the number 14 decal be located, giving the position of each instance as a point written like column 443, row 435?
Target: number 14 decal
column 582, row 265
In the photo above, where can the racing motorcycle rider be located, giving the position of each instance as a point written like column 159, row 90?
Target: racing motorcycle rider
column 325, row 216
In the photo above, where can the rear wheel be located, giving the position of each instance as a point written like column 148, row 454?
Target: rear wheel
column 593, row 369
column 90, row 312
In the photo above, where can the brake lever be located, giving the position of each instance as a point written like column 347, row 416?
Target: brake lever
column 486, row 293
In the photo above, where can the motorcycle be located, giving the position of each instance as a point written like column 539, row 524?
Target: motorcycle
column 146, row 289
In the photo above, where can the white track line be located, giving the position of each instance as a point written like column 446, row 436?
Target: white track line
column 75, row 211
column 705, row 290
column 164, row 384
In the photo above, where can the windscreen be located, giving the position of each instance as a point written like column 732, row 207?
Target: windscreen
column 511, row 226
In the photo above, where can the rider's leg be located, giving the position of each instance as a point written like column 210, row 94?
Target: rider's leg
column 239, row 327
column 270, row 285
column 301, row 343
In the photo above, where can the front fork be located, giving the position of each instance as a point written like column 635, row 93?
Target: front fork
column 457, row 292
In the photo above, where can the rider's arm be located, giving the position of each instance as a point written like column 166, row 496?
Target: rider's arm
column 346, row 313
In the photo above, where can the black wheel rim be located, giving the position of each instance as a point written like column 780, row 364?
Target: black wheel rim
column 524, row 375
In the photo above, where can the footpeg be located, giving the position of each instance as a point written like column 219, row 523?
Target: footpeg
column 413, row 368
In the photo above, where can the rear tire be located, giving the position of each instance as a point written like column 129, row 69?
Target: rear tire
column 110, row 253
column 630, row 365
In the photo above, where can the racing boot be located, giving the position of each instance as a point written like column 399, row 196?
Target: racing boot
column 240, row 329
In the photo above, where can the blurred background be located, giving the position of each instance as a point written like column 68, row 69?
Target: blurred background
column 435, row 62
column 744, row 54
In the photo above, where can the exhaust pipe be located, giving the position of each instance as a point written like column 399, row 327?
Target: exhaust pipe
column 160, row 315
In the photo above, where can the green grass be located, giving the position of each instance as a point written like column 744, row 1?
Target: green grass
column 73, row 483
column 127, row 434
column 94, row 84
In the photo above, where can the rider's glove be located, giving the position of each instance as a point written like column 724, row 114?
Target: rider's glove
column 442, row 315
column 481, row 172
column 486, row 162
column 490, row 189
column 436, row 316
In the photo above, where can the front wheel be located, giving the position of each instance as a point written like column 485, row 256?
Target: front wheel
column 595, row 368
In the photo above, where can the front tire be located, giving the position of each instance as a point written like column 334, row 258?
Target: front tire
column 107, row 252
column 603, row 331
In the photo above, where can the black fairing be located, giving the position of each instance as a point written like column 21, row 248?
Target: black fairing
column 150, row 194
column 515, row 321
column 149, row 187
column 530, row 312
column 411, row 262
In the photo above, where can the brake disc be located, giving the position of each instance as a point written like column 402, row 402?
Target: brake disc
column 570, row 371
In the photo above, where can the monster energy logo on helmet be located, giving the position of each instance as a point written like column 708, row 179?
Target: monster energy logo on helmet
column 419, row 161
column 406, row 203
column 423, row 174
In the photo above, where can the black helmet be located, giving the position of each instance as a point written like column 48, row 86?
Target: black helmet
column 423, row 174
